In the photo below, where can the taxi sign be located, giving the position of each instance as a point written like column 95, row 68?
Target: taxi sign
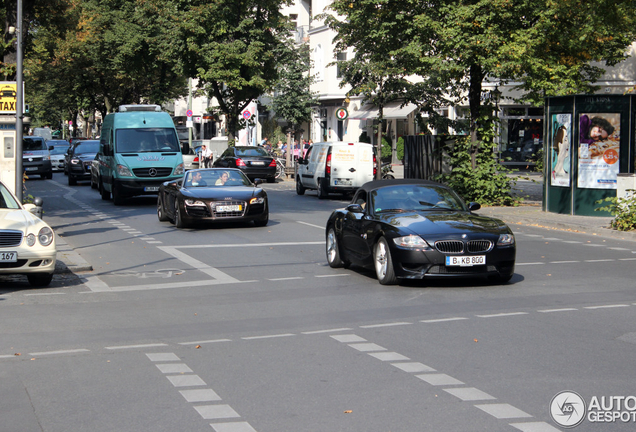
column 342, row 113
column 8, row 96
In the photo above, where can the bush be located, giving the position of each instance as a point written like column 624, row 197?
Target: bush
column 387, row 147
column 623, row 210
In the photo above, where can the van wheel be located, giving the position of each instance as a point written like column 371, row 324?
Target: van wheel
column 103, row 192
column 322, row 193
column 117, row 198
column 300, row 189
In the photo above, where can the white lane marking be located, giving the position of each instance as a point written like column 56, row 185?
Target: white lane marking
column 334, row 275
column 210, row 412
column 444, row 320
column 592, row 245
column 205, row 342
column 199, row 265
column 533, row 235
column 572, row 241
column 232, row 427
column 386, row 325
column 147, row 238
column 136, row 346
column 8, row 356
column 551, row 239
column 469, row 394
column 73, row 351
column 503, row 411
column 327, row 331
column 311, row 225
column 154, row 242
column 599, row 260
column 534, row 427
column 606, row 306
column 268, row 336
column 348, row 338
column 174, row 368
column 42, row 294
column 627, row 259
column 165, row 286
column 531, row 263
column 557, row 310
column 413, row 367
column 504, row 314
column 186, row 380
column 564, row 262
column 367, row 347
column 439, row 379
column 162, row 357
column 232, row 245
column 389, row 356
column 286, row 278
column 618, row 248
column 200, row 395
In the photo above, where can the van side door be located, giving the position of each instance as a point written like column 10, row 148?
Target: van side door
column 306, row 169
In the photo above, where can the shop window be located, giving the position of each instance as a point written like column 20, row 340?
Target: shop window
column 340, row 57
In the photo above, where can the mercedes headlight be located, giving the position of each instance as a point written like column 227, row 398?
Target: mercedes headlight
column 412, row 242
column 178, row 170
column 45, row 236
column 506, row 240
column 30, row 240
column 123, row 171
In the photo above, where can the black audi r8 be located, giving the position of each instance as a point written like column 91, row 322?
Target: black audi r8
column 212, row 195
column 416, row 229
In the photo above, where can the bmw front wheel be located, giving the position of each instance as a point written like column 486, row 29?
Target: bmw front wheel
column 333, row 249
column 383, row 263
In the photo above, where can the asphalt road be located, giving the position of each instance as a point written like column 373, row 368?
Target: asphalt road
column 237, row 328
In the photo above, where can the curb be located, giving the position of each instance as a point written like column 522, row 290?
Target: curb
column 69, row 261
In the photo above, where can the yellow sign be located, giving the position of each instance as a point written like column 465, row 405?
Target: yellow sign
column 8, row 93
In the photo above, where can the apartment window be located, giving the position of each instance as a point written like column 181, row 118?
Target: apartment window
column 340, row 57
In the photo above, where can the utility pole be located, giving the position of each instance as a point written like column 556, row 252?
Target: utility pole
column 19, row 101
column 190, row 108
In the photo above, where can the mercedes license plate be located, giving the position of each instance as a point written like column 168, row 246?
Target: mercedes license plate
column 8, row 257
column 228, row 208
column 257, row 163
column 151, row 189
column 466, row 261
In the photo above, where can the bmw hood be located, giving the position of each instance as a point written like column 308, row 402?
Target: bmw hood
column 441, row 222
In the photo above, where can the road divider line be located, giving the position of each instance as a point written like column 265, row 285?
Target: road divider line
column 504, row 314
column 327, row 331
column 606, row 306
column 136, row 346
column 268, row 336
column 335, row 275
column 557, row 310
column 385, row 325
column 311, row 225
column 73, row 351
column 443, row 320
column 205, row 342
column 286, row 278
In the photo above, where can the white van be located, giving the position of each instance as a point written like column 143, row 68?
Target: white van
column 340, row 167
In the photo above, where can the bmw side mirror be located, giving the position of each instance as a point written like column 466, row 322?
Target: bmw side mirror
column 355, row 208
column 473, row 206
column 257, row 181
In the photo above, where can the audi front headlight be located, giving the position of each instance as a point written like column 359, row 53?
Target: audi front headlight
column 191, row 202
column 259, row 200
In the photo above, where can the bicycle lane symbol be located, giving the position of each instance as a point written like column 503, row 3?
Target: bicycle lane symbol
column 161, row 273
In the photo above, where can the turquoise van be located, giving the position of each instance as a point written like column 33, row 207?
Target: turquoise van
column 138, row 150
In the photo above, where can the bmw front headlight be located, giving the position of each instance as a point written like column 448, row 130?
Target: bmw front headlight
column 411, row 242
column 506, row 240
column 75, row 161
column 45, row 236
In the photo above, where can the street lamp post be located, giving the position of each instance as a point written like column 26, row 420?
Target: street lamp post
column 19, row 98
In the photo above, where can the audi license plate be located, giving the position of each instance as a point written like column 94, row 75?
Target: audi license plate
column 341, row 182
column 466, row 261
column 151, row 189
column 8, row 257
column 228, row 208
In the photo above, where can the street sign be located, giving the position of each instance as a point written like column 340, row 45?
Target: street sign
column 342, row 113
column 247, row 115
column 189, row 113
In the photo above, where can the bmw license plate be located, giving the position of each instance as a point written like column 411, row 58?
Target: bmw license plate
column 8, row 257
column 342, row 182
column 228, row 208
column 466, row 261
column 151, row 189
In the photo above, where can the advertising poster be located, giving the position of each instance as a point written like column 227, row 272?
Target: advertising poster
column 560, row 158
column 599, row 147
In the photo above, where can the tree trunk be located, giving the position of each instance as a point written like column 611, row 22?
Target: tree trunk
column 474, row 102
column 378, row 159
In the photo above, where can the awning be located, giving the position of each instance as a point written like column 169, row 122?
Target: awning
column 392, row 110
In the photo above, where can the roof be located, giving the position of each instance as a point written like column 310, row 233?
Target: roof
column 376, row 184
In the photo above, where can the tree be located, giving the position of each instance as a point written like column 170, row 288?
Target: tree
column 293, row 99
column 232, row 46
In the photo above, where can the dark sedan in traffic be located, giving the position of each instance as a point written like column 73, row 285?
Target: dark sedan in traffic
column 416, row 229
column 79, row 160
column 255, row 162
column 212, row 195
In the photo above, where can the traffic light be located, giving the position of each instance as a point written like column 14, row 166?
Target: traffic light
column 26, row 108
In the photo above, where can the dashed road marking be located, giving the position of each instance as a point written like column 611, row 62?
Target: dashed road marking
column 503, row 411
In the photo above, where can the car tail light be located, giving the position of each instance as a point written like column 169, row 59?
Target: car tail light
column 328, row 166
column 239, row 162
column 272, row 163
column 375, row 167
column 196, row 159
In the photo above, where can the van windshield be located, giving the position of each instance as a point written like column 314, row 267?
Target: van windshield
column 145, row 140
column 30, row 144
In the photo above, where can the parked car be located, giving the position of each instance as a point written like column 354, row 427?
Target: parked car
column 340, row 167
column 79, row 160
column 212, row 195
column 255, row 162
column 58, row 149
column 27, row 243
column 417, row 229
column 36, row 158
column 190, row 155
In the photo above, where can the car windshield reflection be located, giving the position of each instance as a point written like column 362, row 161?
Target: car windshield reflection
column 215, row 178
column 409, row 197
